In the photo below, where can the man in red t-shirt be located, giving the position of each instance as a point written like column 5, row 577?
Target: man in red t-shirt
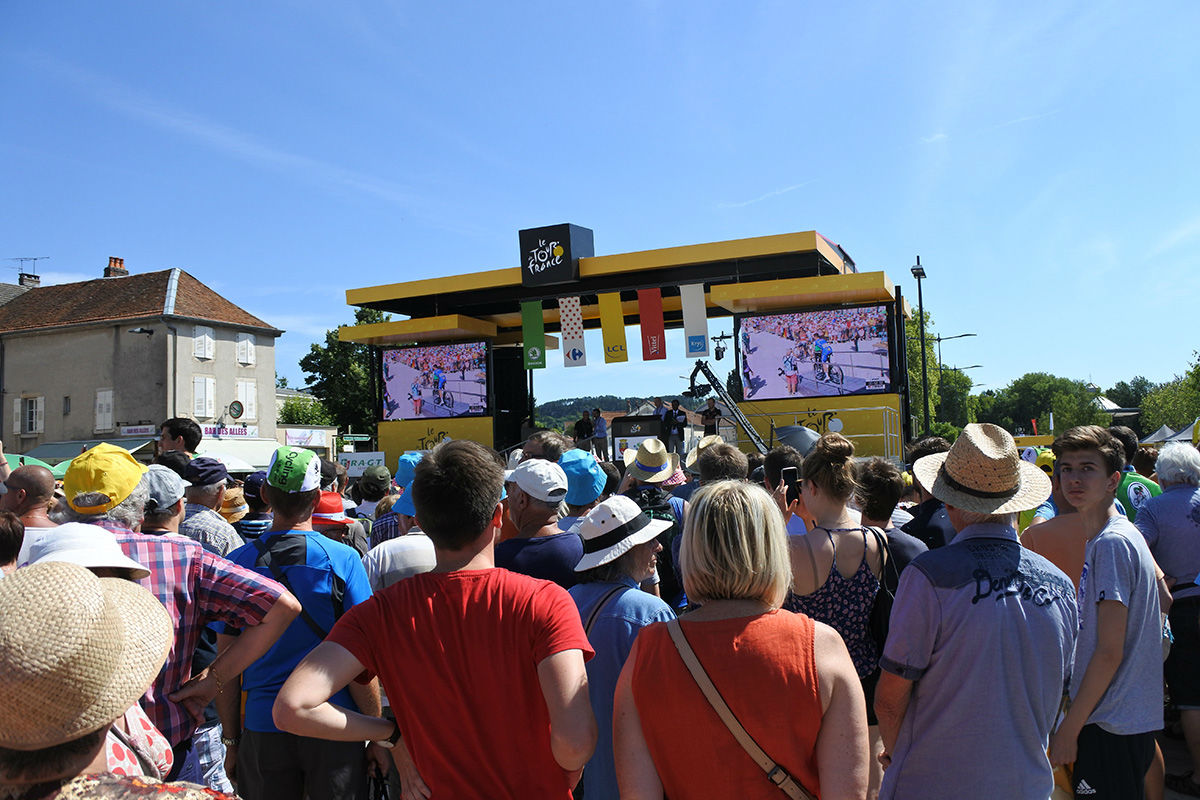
column 484, row 668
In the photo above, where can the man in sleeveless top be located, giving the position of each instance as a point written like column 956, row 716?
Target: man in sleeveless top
column 982, row 638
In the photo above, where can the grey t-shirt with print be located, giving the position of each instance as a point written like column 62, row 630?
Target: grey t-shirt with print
column 1117, row 565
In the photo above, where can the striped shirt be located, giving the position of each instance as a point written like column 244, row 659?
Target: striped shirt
column 197, row 587
column 209, row 529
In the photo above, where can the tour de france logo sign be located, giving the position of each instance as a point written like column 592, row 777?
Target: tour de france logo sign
column 550, row 255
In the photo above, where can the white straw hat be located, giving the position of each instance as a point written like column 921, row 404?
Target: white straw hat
column 86, row 545
column 613, row 528
column 984, row 473
column 76, row 651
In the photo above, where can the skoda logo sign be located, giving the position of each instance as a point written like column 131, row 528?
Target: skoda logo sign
column 535, row 353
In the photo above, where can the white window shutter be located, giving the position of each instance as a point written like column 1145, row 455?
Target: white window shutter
column 241, row 348
column 199, row 404
column 250, row 343
column 104, row 409
column 210, row 403
column 39, row 415
column 251, row 401
column 17, row 416
column 202, row 341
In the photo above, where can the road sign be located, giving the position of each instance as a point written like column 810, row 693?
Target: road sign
column 356, row 437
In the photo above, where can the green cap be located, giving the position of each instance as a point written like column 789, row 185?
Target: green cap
column 294, row 469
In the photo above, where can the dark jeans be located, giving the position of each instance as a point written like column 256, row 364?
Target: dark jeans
column 283, row 766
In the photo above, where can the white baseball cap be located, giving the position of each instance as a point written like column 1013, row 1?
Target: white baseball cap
column 540, row 479
column 86, row 545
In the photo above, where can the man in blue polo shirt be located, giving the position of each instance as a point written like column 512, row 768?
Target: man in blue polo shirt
column 327, row 577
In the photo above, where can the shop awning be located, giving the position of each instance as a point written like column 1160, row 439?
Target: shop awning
column 63, row 451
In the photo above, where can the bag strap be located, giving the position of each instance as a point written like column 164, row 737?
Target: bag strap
column 885, row 555
column 775, row 773
column 591, row 620
column 264, row 553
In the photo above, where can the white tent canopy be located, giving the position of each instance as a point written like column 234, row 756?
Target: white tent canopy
column 1184, row 434
column 1160, row 435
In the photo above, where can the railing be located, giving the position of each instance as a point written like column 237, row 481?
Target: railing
column 884, row 437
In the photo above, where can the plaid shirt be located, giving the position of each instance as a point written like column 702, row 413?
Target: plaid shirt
column 386, row 527
column 197, row 587
column 209, row 529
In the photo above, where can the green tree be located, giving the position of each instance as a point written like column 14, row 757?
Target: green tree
column 1175, row 403
column 1130, row 394
column 1034, row 396
column 339, row 375
column 302, row 411
column 916, row 392
column 280, row 381
column 954, row 390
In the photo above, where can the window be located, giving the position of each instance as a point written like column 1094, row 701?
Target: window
column 66, row 404
column 245, row 348
column 29, row 415
column 204, row 402
column 204, row 343
column 104, row 409
column 247, row 395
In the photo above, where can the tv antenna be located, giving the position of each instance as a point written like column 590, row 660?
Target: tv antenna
column 32, row 260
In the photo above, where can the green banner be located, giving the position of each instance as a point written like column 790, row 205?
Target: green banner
column 533, row 334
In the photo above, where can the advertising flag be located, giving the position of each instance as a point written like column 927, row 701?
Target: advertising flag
column 650, row 311
column 612, row 325
column 533, row 334
column 695, row 319
column 571, row 320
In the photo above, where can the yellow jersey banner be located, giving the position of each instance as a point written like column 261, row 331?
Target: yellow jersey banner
column 612, row 326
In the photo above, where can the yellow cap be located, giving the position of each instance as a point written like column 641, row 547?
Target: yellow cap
column 105, row 469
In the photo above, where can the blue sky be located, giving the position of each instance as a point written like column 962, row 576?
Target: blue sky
column 1042, row 158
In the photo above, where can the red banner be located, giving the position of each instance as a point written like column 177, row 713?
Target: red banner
column 650, row 313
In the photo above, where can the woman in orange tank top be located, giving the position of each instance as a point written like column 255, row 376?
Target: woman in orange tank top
column 788, row 680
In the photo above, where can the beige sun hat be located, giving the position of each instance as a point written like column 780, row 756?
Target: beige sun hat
column 612, row 529
column 983, row 472
column 76, row 651
column 694, row 456
column 651, row 463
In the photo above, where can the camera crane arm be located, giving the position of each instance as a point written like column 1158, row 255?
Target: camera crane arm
column 717, row 386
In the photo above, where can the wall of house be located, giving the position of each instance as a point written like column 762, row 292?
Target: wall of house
column 66, row 368
column 226, row 370
column 151, row 377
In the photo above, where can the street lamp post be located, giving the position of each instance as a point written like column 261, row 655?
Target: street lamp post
column 940, row 339
column 919, row 273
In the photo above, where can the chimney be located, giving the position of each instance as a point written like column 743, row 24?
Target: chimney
column 116, row 268
column 29, row 281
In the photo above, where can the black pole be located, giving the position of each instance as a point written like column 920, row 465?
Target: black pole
column 924, row 363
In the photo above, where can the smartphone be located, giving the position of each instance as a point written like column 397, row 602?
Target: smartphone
column 791, row 479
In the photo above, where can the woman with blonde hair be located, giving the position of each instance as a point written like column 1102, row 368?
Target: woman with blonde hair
column 836, row 566
column 787, row 679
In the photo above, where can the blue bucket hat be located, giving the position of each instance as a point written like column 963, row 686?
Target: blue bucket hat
column 405, row 467
column 585, row 478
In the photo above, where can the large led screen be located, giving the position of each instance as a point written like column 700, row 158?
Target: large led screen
column 441, row 380
column 815, row 353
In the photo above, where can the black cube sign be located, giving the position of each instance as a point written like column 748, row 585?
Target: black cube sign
column 550, row 255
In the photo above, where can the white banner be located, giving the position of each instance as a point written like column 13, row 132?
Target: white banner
column 356, row 463
column 307, row 437
column 695, row 319
column 139, row 430
column 223, row 432
column 571, row 320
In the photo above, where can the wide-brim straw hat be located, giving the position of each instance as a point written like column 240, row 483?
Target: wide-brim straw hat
column 984, row 473
column 694, row 456
column 651, row 463
column 612, row 529
column 76, row 651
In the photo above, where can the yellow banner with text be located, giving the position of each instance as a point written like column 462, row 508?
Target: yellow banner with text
column 397, row 437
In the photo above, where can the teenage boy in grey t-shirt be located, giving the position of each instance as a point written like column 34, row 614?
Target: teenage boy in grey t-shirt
column 1116, row 690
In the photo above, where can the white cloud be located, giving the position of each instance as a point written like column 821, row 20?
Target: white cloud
column 766, row 196
column 1177, row 236
column 937, row 137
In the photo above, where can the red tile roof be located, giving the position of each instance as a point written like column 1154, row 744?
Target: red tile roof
column 126, row 298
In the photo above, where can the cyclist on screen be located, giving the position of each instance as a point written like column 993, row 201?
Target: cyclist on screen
column 822, row 352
